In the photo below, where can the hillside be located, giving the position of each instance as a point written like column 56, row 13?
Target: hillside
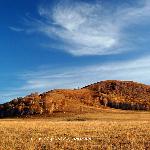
column 126, row 95
column 55, row 101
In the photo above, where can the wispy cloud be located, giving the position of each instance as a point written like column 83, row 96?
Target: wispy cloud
column 89, row 29
column 46, row 79
column 139, row 13
column 136, row 70
column 16, row 29
column 81, row 28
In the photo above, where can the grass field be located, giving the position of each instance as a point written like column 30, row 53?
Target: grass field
column 108, row 130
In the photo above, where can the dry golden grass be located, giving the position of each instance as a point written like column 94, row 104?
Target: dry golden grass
column 116, row 130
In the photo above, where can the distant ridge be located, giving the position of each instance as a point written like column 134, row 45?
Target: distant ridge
column 126, row 95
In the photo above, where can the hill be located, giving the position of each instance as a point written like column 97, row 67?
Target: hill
column 126, row 95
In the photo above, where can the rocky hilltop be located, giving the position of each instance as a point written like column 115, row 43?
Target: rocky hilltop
column 126, row 95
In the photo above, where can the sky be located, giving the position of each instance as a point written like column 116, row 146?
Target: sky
column 54, row 44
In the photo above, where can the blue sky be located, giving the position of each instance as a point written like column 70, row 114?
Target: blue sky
column 48, row 44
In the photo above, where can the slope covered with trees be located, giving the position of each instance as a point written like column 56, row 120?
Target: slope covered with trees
column 55, row 101
column 126, row 95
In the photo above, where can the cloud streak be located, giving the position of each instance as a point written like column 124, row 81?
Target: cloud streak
column 81, row 28
column 16, row 29
column 81, row 76
column 46, row 79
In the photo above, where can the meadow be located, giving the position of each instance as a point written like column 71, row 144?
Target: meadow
column 107, row 130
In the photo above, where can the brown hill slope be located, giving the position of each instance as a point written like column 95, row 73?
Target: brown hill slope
column 122, row 94
column 55, row 101
column 127, row 95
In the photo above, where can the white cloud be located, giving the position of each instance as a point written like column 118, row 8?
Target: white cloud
column 138, row 14
column 89, row 29
column 82, row 28
column 136, row 70
column 16, row 29
column 46, row 79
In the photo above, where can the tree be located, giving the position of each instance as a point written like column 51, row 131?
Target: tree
column 105, row 102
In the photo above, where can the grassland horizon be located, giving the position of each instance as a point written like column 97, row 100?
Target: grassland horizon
column 107, row 130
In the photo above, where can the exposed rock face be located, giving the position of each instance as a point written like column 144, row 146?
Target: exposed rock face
column 127, row 95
